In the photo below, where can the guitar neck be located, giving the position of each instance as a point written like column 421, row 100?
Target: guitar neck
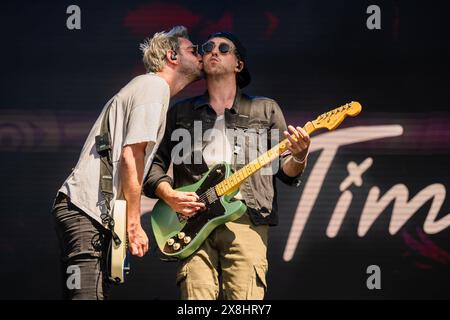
column 233, row 182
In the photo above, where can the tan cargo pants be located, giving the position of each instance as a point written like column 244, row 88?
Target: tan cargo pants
column 238, row 251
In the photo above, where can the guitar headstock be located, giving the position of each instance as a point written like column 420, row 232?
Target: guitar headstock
column 332, row 119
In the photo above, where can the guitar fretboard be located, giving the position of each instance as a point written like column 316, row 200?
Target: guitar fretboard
column 233, row 182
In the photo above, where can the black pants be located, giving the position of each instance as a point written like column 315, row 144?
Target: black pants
column 84, row 246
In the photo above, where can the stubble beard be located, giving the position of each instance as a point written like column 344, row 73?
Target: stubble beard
column 191, row 71
column 216, row 71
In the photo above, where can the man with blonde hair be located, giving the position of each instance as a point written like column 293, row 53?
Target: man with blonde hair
column 135, row 119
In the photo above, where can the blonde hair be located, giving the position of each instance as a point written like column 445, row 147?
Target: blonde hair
column 154, row 49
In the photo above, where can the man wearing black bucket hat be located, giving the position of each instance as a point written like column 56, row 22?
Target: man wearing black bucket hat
column 235, row 252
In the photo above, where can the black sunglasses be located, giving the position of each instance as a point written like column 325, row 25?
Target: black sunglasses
column 209, row 46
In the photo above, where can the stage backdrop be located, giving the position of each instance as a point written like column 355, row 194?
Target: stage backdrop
column 374, row 195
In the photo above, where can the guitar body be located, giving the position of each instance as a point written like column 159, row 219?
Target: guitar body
column 118, row 256
column 167, row 224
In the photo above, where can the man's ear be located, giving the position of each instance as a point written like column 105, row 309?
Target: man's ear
column 239, row 66
column 171, row 56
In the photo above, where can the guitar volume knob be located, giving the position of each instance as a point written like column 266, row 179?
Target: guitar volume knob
column 170, row 242
column 187, row 239
column 181, row 235
column 176, row 246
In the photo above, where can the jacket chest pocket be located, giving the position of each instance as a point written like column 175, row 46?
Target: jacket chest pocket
column 256, row 138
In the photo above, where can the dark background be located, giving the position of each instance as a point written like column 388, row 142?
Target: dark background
column 310, row 56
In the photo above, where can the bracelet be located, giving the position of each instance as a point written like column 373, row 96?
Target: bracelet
column 300, row 161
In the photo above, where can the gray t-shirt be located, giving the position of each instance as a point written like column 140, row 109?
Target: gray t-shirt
column 137, row 114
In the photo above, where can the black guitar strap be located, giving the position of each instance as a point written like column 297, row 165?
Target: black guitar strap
column 241, row 122
column 104, row 149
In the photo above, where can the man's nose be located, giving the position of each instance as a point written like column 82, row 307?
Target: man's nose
column 215, row 51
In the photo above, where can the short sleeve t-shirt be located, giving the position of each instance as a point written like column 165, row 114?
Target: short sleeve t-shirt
column 137, row 114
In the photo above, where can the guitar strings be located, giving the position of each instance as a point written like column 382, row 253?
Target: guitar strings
column 204, row 196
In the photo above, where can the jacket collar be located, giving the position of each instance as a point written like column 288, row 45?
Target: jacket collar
column 203, row 100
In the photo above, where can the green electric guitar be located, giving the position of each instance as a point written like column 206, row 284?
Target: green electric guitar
column 178, row 237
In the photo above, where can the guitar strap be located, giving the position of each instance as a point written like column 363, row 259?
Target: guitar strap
column 104, row 149
column 241, row 123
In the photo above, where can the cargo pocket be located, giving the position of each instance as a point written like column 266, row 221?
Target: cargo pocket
column 181, row 275
column 259, row 285
column 180, row 281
